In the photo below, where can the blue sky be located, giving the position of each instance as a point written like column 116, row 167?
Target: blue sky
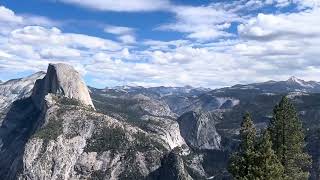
column 162, row 42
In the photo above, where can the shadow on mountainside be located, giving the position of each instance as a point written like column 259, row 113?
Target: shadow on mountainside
column 17, row 127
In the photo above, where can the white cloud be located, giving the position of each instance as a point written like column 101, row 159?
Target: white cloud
column 128, row 39
column 39, row 20
column 125, row 34
column 165, row 45
column 90, row 42
column 201, row 23
column 4, row 55
column 6, row 15
column 59, row 52
column 287, row 26
column 118, row 30
column 269, row 46
column 122, row 5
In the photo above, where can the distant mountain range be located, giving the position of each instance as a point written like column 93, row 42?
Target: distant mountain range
column 293, row 84
column 50, row 128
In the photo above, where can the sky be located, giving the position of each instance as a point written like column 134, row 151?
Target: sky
column 202, row 43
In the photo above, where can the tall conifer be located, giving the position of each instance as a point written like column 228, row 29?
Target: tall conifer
column 242, row 163
column 268, row 167
column 288, row 141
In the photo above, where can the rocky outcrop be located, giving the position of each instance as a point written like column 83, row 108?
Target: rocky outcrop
column 172, row 168
column 55, row 133
column 166, row 129
column 67, row 139
column 151, row 106
column 15, row 89
column 61, row 79
column 198, row 130
column 78, row 143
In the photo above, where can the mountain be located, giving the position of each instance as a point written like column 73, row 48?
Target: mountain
column 53, row 127
column 15, row 89
column 177, row 98
column 209, row 121
column 55, row 133
column 259, row 99
column 61, row 79
column 293, row 84
column 162, row 90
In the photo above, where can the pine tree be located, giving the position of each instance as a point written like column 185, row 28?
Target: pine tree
column 268, row 167
column 242, row 163
column 288, row 141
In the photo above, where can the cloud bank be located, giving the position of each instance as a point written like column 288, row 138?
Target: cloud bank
column 264, row 46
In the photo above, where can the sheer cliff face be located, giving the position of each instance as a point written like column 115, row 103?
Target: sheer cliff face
column 198, row 130
column 64, row 80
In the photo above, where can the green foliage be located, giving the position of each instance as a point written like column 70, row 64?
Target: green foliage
column 105, row 139
column 268, row 165
column 254, row 159
column 242, row 163
column 117, row 106
column 314, row 149
column 288, row 141
column 247, row 134
column 69, row 101
column 144, row 143
column 51, row 130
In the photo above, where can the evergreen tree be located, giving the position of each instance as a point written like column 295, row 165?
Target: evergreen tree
column 288, row 141
column 242, row 163
column 268, row 167
column 313, row 147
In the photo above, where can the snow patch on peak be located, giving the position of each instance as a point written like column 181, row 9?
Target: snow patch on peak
column 300, row 82
column 294, row 79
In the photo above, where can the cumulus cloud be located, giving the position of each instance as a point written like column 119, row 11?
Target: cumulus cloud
column 287, row 41
column 127, row 39
column 283, row 26
column 118, row 30
column 31, row 48
column 202, row 23
column 6, row 15
column 125, row 34
column 266, row 46
column 122, row 5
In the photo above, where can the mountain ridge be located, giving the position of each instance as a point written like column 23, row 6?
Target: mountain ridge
column 201, row 125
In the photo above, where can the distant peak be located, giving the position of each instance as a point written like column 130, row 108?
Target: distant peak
column 294, row 79
column 188, row 87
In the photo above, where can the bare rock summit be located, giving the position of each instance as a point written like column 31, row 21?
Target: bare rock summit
column 61, row 79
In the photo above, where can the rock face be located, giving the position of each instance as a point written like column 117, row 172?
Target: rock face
column 78, row 143
column 64, row 80
column 198, row 129
column 173, row 168
column 151, row 115
column 56, row 134
column 13, row 90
